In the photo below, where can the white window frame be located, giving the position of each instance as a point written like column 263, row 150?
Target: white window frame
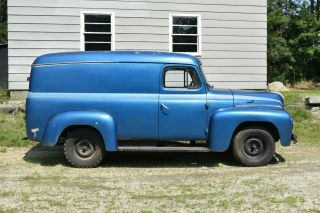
column 82, row 25
column 199, row 34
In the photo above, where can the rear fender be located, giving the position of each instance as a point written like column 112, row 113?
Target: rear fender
column 98, row 120
column 222, row 124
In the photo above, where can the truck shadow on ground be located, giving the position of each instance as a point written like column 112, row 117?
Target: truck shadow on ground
column 53, row 156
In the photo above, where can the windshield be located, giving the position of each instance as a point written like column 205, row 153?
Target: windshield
column 205, row 77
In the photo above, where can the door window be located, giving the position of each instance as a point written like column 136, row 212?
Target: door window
column 181, row 78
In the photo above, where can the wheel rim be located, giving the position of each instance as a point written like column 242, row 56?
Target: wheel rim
column 254, row 147
column 84, row 148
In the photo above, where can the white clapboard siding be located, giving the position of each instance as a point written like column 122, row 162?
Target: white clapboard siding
column 19, row 77
column 234, row 70
column 148, row 6
column 239, row 85
column 234, row 54
column 133, row 13
column 44, row 44
column 19, row 52
column 44, row 36
column 236, row 77
column 19, row 69
column 234, row 62
column 18, row 85
column 234, row 34
column 69, row 28
column 72, row 3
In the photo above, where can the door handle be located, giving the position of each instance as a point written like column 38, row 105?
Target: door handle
column 164, row 107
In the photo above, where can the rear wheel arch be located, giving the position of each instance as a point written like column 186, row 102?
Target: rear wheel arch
column 67, row 131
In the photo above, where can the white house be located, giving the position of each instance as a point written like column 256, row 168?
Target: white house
column 229, row 36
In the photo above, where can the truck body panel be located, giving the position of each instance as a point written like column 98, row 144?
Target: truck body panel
column 124, row 97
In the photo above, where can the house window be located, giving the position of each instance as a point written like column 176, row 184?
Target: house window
column 185, row 34
column 97, row 31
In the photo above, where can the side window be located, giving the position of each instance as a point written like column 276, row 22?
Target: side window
column 181, row 78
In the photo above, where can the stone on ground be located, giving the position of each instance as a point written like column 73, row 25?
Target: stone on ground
column 277, row 86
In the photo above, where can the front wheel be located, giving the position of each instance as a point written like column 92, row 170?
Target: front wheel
column 253, row 146
column 84, row 148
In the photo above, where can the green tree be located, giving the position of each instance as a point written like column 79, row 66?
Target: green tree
column 3, row 21
column 293, row 40
column 280, row 58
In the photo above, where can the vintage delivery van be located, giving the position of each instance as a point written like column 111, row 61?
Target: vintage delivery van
column 98, row 102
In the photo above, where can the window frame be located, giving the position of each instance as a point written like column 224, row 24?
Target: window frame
column 180, row 89
column 82, row 27
column 199, row 34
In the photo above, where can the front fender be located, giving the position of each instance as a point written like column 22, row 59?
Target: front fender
column 223, row 124
column 101, row 121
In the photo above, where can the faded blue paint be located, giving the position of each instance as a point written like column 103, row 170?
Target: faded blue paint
column 115, row 57
column 101, row 121
column 123, row 92
column 224, row 122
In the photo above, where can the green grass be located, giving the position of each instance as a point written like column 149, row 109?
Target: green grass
column 4, row 96
column 12, row 130
column 305, row 126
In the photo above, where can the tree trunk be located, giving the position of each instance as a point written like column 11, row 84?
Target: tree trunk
column 312, row 4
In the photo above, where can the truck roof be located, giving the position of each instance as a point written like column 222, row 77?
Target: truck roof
column 115, row 57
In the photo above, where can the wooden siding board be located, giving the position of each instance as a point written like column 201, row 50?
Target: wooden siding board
column 134, row 13
column 72, row 3
column 233, row 34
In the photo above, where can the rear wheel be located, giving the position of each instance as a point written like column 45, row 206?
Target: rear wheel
column 84, row 148
column 253, row 146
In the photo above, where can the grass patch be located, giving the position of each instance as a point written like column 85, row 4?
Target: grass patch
column 290, row 200
column 12, row 130
column 305, row 126
column 4, row 95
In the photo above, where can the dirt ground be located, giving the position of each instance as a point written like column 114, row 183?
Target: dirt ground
column 35, row 179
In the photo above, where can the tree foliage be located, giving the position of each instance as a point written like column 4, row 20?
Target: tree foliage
column 293, row 40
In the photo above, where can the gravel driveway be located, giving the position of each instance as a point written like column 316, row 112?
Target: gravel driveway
column 34, row 179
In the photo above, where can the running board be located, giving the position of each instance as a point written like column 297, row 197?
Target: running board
column 161, row 149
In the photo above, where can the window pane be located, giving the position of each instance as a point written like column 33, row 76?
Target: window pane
column 181, row 78
column 174, row 78
column 185, row 30
column 185, row 20
column 185, row 39
column 97, row 19
column 98, row 28
column 98, row 37
column 184, row 48
column 97, row 47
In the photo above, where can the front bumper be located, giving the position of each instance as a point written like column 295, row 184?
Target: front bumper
column 294, row 139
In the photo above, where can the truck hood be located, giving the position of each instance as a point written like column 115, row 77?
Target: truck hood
column 245, row 97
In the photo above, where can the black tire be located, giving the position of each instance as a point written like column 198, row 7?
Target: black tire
column 253, row 146
column 84, row 148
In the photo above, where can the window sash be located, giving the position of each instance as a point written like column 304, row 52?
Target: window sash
column 175, row 36
column 106, row 22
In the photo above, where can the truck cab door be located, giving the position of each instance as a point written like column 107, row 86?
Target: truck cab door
column 182, row 104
